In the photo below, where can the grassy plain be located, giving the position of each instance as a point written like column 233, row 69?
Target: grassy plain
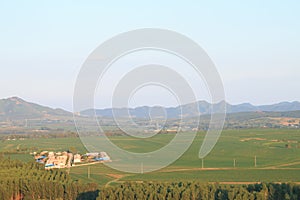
column 274, row 162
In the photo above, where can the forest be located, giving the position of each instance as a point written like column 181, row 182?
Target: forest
column 197, row 190
column 29, row 181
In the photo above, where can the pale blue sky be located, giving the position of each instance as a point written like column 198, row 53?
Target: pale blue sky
column 255, row 44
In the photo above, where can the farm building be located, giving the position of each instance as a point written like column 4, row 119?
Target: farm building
column 92, row 154
column 77, row 158
column 58, row 161
column 104, row 156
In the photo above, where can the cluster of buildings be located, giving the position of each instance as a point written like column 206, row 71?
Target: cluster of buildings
column 67, row 159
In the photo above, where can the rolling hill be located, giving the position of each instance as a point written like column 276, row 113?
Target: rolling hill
column 15, row 108
column 189, row 110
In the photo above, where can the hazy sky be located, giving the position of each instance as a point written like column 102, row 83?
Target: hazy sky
column 255, row 44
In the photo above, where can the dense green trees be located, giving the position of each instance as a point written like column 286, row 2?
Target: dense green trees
column 31, row 181
column 196, row 190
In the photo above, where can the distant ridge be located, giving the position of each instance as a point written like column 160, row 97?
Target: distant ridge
column 15, row 108
column 189, row 111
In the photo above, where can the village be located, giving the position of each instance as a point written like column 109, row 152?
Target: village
column 66, row 159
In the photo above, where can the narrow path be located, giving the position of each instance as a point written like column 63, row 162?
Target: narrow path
column 117, row 178
column 85, row 164
column 282, row 165
column 196, row 169
column 230, row 168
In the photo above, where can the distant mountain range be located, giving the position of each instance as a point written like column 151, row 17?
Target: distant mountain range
column 15, row 108
column 188, row 110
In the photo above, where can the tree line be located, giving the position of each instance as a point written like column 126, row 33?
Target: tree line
column 197, row 190
column 30, row 181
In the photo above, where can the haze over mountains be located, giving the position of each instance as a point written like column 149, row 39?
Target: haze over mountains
column 188, row 110
column 15, row 108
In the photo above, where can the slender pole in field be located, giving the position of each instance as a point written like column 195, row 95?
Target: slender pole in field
column 254, row 161
column 142, row 168
column 21, row 189
column 234, row 162
column 89, row 172
column 202, row 163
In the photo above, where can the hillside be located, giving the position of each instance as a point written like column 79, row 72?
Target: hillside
column 188, row 110
column 15, row 108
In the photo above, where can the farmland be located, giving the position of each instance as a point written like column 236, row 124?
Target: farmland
column 277, row 155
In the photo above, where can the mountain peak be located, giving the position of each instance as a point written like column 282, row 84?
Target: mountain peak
column 17, row 100
column 14, row 108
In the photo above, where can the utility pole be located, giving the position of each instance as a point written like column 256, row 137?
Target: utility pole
column 21, row 184
column 254, row 161
column 234, row 162
column 142, row 168
column 202, row 163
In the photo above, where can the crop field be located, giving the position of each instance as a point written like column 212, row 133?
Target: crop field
column 277, row 153
column 49, row 144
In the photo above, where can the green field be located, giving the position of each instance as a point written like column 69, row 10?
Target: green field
column 274, row 162
column 49, row 144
